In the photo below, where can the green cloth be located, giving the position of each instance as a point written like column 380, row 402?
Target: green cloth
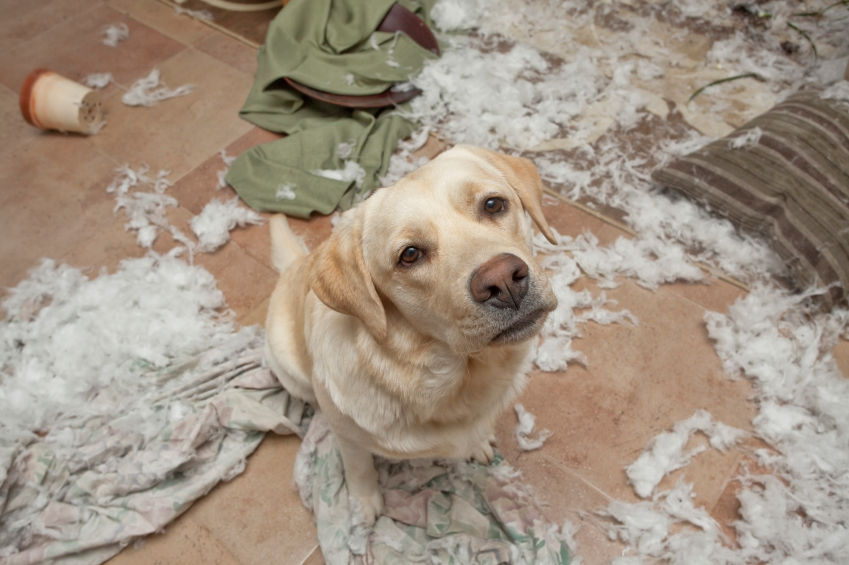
column 328, row 45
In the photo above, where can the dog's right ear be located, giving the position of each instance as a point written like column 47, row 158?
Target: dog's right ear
column 340, row 278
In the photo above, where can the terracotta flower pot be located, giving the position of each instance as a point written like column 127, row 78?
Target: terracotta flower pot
column 51, row 101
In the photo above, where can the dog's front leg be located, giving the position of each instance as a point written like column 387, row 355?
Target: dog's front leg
column 361, row 478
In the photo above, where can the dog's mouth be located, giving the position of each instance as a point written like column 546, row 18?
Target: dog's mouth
column 522, row 329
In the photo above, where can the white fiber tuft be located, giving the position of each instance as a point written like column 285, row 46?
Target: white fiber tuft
column 115, row 33
column 228, row 160
column 145, row 210
column 352, row 172
column 746, row 141
column 213, row 225
column 666, row 452
column 203, row 15
column 98, row 80
column 148, row 91
column 525, row 428
column 67, row 337
column 285, row 191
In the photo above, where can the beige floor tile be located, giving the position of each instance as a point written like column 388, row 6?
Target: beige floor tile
column 198, row 187
column 563, row 496
column 258, row 516
column 640, row 381
column 713, row 294
column 75, row 49
column 180, row 133
column 14, row 130
column 231, row 51
column 255, row 316
column 568, row 220
column 184, row 542
column 245, row 282
column 51, row 199
column 23, row 21
column 165, row 20
column 314, row 558
column 195, row 190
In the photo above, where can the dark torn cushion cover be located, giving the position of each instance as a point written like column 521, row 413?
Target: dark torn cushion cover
column 791, row 187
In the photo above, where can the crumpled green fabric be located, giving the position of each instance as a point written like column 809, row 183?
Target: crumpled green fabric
column 328, row 45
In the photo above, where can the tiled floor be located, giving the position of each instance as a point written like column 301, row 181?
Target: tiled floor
column 640, row 379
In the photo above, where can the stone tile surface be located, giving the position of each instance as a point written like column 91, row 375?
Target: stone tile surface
column 208, row 117
column 231, row 51
column 24, row 21
column 258, row 516
column 75, row 49
column 640, row 380
column 164, row 19
column 184, row 542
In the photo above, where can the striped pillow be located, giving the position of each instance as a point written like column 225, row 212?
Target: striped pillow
column 789, row 184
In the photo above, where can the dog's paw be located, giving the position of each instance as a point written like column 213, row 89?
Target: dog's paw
column 370, row 505
column 485, row 453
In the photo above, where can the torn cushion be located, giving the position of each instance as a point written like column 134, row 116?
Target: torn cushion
column 790, row 185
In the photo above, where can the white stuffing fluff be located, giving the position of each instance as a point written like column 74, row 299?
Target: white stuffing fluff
column 115, row 33
column 203, row 15
column 647, row 528
column 785, row 348
column 838, row 91
column 525, row 428
column 98, row 80
column 228, row 161
column 345, row 150
column 145, row 210
column 746, row 141
column 554, row 351
column 66, row 337
column 213, row 225
column 454, row 15
column 650, row 261
column 285, row 191
column 149, row 91
column 352, row 172
column 666, row 452
column 402, row 161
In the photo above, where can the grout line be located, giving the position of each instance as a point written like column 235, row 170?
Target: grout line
column 619, row 225
column 221, row 28
column 569, row 471
column 310, row 554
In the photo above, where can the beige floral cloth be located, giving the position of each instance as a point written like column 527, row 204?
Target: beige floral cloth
column 440, row 512
column 81, row 505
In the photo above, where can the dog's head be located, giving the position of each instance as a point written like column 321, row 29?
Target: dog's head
column 449, row 248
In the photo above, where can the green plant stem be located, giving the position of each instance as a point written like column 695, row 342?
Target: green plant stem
column 720, row 81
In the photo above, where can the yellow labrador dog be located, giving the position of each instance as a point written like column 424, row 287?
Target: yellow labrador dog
column 410, row 326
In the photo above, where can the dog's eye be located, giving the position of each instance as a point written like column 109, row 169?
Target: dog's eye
column 410, row 255
column 493, row 205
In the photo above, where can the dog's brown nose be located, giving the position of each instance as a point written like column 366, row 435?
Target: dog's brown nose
column 501, row 282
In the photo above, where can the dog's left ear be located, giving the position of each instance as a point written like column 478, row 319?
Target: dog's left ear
column 339, row 277
column 522, row 175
